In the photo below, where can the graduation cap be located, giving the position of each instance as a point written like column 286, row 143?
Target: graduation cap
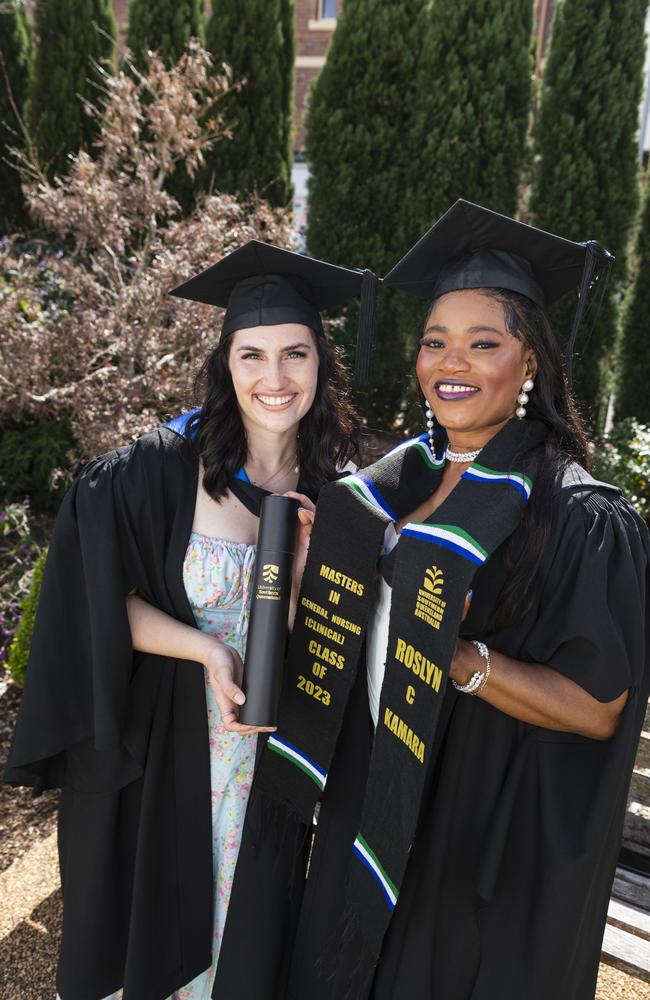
column 473, row 247
column 263, row 285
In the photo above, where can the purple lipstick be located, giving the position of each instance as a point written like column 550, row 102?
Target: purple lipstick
column 450, row 389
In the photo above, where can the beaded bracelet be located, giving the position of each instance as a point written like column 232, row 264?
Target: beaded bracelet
column 479, row 678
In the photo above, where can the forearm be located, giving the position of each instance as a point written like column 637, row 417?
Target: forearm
column 538, row 694
column 154, row 631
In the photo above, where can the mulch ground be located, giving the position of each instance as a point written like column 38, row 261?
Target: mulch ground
column 30, row 915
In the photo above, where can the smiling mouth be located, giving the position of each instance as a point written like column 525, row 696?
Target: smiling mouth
column 455, row 390
column 276, row 402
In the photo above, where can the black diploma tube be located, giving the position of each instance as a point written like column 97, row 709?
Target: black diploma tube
column 267, row 630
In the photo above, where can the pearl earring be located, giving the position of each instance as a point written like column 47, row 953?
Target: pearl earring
column 429, row 415
column 522, row 398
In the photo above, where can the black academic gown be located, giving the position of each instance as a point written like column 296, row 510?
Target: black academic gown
column 506, row 890
column 125, row 734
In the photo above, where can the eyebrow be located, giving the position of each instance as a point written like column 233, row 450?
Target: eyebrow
column 437, row 328
column 260, row 350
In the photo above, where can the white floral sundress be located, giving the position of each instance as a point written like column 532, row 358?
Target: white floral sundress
column 217, row 576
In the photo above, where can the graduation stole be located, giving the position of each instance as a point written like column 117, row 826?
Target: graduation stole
column 432, row 569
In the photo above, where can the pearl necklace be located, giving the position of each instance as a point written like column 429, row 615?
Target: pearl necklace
column 460, row 456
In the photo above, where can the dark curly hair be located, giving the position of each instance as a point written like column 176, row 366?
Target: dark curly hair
column 328, row 436
column 566, row 441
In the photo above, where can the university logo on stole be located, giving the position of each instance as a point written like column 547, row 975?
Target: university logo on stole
column 429, row 604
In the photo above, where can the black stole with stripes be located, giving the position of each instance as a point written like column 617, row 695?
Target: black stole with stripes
column 431, row 572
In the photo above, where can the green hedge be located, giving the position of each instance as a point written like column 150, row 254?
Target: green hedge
column 19, row 649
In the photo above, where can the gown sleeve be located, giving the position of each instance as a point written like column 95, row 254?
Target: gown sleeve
column 592, row 615
column 81, row 656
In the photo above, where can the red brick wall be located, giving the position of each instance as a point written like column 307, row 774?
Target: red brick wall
column 311, row 44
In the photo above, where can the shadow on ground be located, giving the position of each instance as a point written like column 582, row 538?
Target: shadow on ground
column 28, row 955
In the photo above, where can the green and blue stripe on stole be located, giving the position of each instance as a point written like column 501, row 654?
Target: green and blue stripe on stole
column 368, row 490
column 369, row 859
column 456, row 539
column 480, row 474
column 298, row 757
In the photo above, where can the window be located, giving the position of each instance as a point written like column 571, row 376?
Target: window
column 327, row 9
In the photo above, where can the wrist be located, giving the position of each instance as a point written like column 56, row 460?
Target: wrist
column 465, row 662
column 480, row 673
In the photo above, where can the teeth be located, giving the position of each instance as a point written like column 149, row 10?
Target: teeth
column 447, row 387
column 275, row 400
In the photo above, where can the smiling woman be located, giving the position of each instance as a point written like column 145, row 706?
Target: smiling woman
column 471, row 769
column 132, row 687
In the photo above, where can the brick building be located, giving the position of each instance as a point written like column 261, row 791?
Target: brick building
column 315, row 21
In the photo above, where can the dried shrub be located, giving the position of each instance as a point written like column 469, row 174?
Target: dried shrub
column 89, row 332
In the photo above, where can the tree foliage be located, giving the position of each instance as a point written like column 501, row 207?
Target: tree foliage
column 474, row 82
column 585, row 175
column 393, row 141
column 633, row 397
column 256, row 40
column 89, row 330
column 15, row 60
column 22, row 640
column 73, row 39
column 360, row 146
column 163, row 26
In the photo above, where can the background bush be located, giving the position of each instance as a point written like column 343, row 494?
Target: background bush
column 21, row 642
column 623, row 458
column 31, row 452
column 90, row 333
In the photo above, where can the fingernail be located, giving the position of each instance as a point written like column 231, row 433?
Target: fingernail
column 239, row 699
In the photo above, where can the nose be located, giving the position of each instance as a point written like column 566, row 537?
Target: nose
column 454, row 359
column 274, row 377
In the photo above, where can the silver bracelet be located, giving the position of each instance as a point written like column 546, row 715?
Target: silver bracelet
column 478, row 680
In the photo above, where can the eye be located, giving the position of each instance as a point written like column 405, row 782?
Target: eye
column 297, row 354
column 485, row 345
column 249, row 354
column 431, row 342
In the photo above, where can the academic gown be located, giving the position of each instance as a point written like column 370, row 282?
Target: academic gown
column 124, row 733
column 507, row 885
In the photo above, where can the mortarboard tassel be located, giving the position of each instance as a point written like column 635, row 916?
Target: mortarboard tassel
column 598, row 262
column 367, row 331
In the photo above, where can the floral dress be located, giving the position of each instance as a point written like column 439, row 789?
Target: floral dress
column 217, row 575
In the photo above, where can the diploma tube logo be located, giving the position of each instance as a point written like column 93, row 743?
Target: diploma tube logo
column 270, row 572
column 429, row 604
column 270, row 583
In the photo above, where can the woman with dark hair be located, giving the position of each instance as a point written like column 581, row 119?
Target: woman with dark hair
column 152, row 541
column 469, row 773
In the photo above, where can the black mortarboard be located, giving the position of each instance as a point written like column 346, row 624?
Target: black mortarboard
column 473, row 247
column 263, row 285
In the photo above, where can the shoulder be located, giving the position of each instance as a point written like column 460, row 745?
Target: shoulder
column 160, row 451
column 585, row 506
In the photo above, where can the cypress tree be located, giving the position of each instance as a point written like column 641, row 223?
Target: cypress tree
column 392, row 141
column 472, row 118
column 585, row 176
column 71, row 37
column 164, row 26
column 15, row 58
column 633, row 398
column 256, row 40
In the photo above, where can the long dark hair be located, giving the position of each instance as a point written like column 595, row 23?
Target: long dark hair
column 566, row 441
column 328, row 436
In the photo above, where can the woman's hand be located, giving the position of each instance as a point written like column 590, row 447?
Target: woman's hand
column 306, row 514
column 225, row 671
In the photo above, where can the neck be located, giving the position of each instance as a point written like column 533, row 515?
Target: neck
column 269, row 452
column 472, row 440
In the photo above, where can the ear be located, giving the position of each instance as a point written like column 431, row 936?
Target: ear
column 531, row 363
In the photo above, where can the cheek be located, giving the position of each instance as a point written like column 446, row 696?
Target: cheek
column 423, row 367
column 308, row 382
column 240, row 379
